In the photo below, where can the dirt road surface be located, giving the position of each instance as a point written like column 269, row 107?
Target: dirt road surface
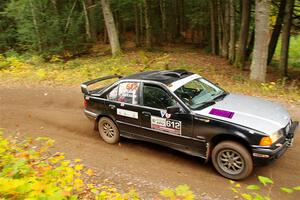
column 58, row 113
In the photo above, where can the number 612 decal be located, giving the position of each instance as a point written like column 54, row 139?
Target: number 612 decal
column 168, row 125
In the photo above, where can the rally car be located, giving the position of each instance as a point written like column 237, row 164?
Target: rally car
column 186, row 112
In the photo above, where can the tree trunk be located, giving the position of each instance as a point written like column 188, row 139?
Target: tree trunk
column 118, row 24
column 148, row 41
column 180, row 7
column 91, row 14
column 137, row 25
column 35, row 24
column 105, row 37
column 213, row 27
column 276, row 31
column 141, row 21
column 285, row 36
column 111, row 28
column 162, row 5
column 87, row 21
column 157, row 23
column 243, row 35
column 220, row 26
column 250, row 45
column 260, row 53
column 225, row 28
column 69, row 16
column 231, row 53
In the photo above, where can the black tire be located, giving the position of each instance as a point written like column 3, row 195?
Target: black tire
column 108, row 130
column 232, row 160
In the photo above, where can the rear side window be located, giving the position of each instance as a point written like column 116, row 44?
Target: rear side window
column 156, row 97
column 113, row 95
column 126, row 92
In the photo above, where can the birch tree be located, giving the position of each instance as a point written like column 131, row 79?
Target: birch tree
column 111, row 28
column 260, row 52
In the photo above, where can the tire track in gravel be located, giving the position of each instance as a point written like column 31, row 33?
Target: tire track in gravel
column 58, row 113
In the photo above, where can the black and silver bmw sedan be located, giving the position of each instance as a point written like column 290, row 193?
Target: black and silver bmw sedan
column 187, row 112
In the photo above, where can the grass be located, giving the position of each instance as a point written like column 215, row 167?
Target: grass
column 32, row 70
column 294, row 52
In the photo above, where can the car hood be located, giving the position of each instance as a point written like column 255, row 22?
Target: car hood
column 252, row 112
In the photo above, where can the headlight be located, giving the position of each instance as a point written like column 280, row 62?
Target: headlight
column 269, row 140
column 275, row 136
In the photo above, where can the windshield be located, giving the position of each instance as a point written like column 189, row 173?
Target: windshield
column 198, row 92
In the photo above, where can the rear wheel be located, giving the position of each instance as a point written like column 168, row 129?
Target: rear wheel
column 108, row 130
column 232, row 160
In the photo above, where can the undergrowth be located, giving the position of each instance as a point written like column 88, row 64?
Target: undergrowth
column 30, row 170
column 57, row 71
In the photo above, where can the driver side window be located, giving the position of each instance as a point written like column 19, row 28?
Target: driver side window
column 156, row 97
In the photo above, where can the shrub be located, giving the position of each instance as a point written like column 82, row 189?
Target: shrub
column 29, row 171
column 259, row 192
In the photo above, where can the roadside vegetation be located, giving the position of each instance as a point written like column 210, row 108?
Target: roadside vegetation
column 294, row 53
column 30, row 169
column 30, row 70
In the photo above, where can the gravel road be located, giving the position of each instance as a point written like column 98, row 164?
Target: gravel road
column 57, row 112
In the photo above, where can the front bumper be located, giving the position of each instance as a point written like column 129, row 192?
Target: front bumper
column 265, row 155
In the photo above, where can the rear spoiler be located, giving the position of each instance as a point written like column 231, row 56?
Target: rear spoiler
column 84, row 86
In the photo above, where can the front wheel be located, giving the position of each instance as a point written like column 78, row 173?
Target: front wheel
column 108, row 130
column 232, row 160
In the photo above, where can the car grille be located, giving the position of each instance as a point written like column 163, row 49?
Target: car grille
column 286, row 129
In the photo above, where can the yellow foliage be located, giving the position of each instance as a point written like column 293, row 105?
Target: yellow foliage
column 89, row 172
column 78, row 167
column 81, row 69
column 56, row 58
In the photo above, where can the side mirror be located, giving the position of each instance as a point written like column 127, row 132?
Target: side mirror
column 173, row 109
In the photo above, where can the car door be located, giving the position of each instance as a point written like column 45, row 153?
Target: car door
column 122, row 104
column 174, row 130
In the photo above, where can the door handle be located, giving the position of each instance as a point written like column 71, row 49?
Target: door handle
column 111, row 106
column 202, row 119
column 147, row 114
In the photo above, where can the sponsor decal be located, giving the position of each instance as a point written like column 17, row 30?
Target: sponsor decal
column 128, row 93
column 168, row 115
column 162, row 113
column 168, row 125
column 132, row 86
column 221, row 113
column 127, row 113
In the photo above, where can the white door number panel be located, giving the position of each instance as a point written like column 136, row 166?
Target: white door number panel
column 127, row 113
column 164, row 124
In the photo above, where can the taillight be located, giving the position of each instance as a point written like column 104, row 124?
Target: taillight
column 85, row 103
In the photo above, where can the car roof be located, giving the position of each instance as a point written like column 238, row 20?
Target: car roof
column 163, row 76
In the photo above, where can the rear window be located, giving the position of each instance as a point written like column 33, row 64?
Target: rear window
column 127, row 92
